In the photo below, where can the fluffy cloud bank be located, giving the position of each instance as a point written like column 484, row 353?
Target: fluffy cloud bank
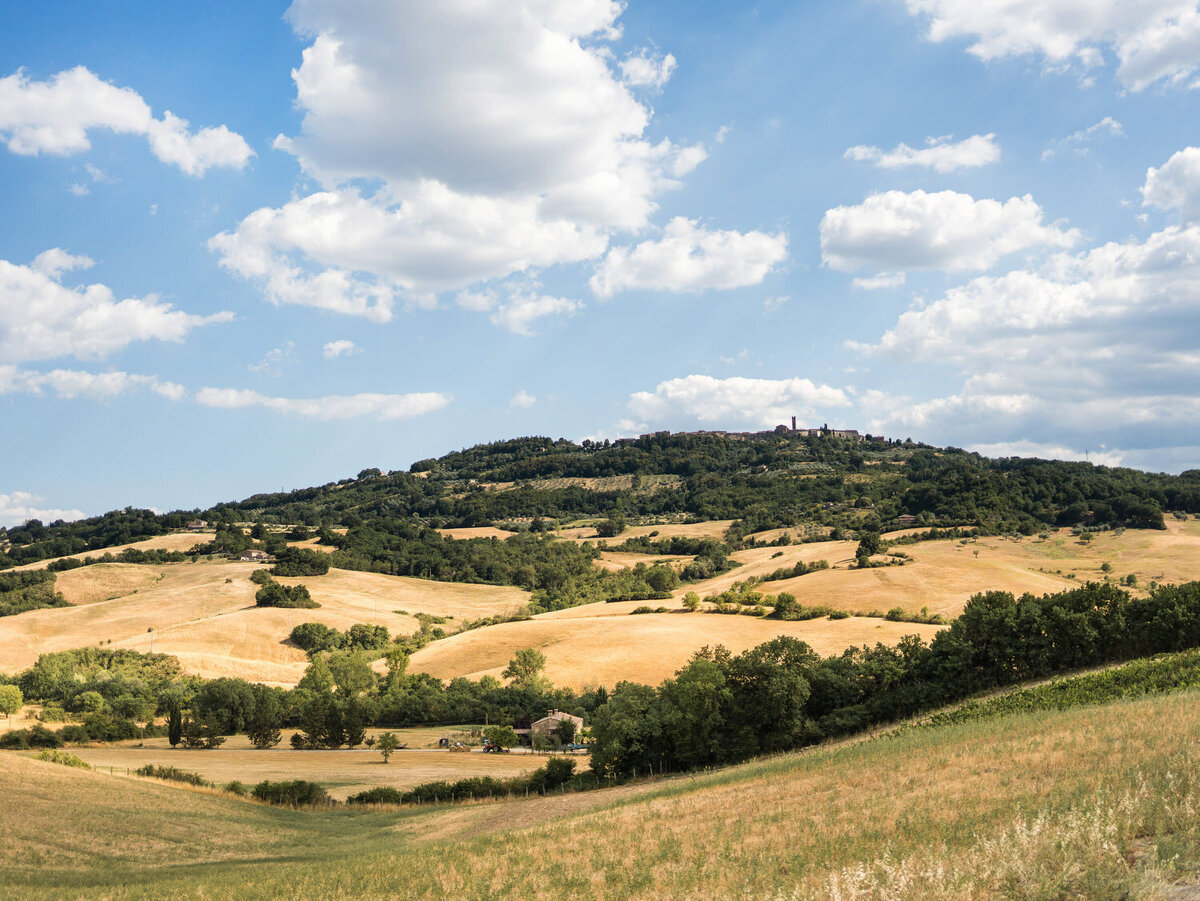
column 334, row 407
column 1095, row 343
column 497, row 137
column 70, row 384
column 42, row 319
column 896, row 231
column 938, row 154
column 690, row 258
column 1176, row 185
column 55, row 116
column 755, row 402
column 1153, row 40
column 19, row 507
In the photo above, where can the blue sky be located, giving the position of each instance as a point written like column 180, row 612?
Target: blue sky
column 251, row 246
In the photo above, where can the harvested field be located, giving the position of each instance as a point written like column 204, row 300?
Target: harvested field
column 600, row 644
column 176, row 541
column 945, row 574
column 614, row 561
column 1085, row 803
column 478, row 532
column 212, row 625
column 342, row 772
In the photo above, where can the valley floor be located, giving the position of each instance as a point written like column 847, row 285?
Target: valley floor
column 1095, row 802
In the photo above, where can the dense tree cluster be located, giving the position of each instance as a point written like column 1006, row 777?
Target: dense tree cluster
column 28, row 590
column 722, row 708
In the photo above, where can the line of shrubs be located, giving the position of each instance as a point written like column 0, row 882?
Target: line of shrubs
column 557, row 774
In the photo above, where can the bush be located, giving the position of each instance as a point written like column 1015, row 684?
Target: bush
column 75, row 734
column 261, row 577
column 295, row 561
column 35, row 737
column 298, row 793
column 383, row 795
column 276, row 595
column 172, row 774
column 63, row 759
column 236, row 788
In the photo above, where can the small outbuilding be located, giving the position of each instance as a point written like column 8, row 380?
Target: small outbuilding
column 197, row 524
column 547, row 724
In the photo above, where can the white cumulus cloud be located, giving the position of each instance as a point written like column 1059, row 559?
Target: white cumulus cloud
column 522, row 399
column 736, row 400
column 647, row 69
column 940, row 154
column 340, row 348
column 55, row 116
column 41, row 319
column 896, row 231
column 1152, row 40
column 497, row 137
column 690, row 258
column 1096, row 343
column 521, row 311
column 70, row 384
column 19, row 507
column 1106, row 127
column 334, row 407
column 1176, row 185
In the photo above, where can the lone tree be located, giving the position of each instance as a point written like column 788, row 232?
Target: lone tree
column 387, row 743
column 501, row 736
column 11, row 700
column 175, row 725
column 526, row 666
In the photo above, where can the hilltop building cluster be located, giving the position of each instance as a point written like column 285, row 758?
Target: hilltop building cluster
column 781, row 429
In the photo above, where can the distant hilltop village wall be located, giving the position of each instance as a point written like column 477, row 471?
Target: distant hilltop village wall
column 849, row 434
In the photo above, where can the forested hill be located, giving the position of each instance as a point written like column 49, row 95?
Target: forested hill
column 765, row 481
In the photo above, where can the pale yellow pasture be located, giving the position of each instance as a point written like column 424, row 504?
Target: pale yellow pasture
column 476, row 532
column 943, row 575
column 212, row 624
column 175, row 541
column 597, row 645
column 342, row 773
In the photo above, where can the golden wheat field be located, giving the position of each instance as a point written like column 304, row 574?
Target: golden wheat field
column 204, row 614
column 603, row 644
column 943, row 575
column 176, row 541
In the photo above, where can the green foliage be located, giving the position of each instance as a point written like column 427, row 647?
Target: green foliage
column 800, row 569
column 198, row 734
column 298, row 793
column 383, row 794
column 526, row 666
column 261, row 577
column 386, row 744
column 1156, row 675
column 11, row 700
column 501, row 736
column 28, row 590
column 699, row 719
column 274, row 594
column 172, row 774
column 63, row 758
column 293, row 561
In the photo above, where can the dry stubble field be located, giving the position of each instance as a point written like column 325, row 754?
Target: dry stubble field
column 1094, row 803
column 215, row 630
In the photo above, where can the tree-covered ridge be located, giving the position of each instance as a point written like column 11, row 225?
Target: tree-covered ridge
column 778, row 480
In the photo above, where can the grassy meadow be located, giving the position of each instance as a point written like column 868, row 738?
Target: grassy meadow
column 1096, row 802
